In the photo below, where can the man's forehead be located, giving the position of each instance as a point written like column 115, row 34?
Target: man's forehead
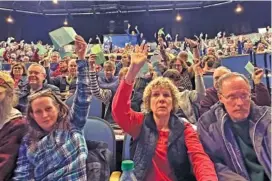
column 34, row 68
column 235, row 84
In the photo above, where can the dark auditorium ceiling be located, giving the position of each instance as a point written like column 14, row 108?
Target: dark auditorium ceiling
column 65, row 7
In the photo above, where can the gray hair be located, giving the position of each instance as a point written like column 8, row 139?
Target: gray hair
column 222, row 68
column 229, row 76
column 37, row 65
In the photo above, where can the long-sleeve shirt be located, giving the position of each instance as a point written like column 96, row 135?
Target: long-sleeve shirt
column 188, row 98
column 64, row 150
column 104, row 95
column 131, row 122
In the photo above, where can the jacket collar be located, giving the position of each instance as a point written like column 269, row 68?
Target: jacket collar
column 175, row 126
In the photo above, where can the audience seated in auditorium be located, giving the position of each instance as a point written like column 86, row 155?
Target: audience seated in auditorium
column 12, row 127
column 260, row 94
column 36, row 83
column 62, row 68
column 125, row 62
column 165, row 146
column 188, row 98
column 108, row 80
column 19, row 75
column 236, row 133
column 51, row 123
column 65, row 82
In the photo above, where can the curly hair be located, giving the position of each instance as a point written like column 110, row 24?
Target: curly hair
column 160, row 82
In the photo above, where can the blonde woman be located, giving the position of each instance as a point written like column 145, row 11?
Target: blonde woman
column 164, row 145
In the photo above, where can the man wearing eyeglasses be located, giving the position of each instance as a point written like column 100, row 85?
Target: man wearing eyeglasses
column 236, row 133
column 36, row 82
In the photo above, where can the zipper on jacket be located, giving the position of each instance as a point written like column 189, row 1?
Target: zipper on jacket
column 223, row 131
column 253, row 141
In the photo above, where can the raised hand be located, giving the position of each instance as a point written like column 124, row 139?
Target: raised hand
column 138, row 59
column 92, row 61
column 136, row 27
column 139, row 56
column 197, row 69
column 192, row 43
column 257, row 75
column 80, row 47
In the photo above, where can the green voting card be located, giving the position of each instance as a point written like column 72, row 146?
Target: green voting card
column 2, row 50
column 41, row 48
column 250, row 68
column 62, row 36
column 143, row 70
column 100, row 58
column 190, row 57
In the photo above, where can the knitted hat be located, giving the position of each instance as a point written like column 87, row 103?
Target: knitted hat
column 6, row 82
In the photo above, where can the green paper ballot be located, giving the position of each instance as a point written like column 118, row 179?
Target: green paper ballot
column 250, row 68
column 62, row 36
column 143, row 70
column 96, row 49
column 190, row 57
column 41, row 48
column 2, row 51
column 160, row 32
column 100, row 58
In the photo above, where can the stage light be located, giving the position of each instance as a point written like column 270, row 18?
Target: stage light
column 178, row 17
column 9, row 19
column 55, row 1
column 239, row 9
column 65, row 22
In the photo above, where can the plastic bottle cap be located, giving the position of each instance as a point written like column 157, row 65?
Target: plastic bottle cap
column 127, row 165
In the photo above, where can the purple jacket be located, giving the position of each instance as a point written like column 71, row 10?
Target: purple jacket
column 219, row 142
column 260, row 96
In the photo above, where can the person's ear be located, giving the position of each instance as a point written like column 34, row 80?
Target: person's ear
column 220, row 97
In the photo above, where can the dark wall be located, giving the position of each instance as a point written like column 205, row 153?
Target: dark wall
column 208, row 20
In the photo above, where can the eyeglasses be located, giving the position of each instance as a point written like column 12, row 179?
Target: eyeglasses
column 233, row 98
column 17, row 68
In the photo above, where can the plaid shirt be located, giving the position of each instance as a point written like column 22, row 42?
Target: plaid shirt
column 61, row 155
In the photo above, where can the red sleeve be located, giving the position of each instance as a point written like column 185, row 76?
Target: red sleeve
column 129, row 120
column 5, row 55
column 202, row 165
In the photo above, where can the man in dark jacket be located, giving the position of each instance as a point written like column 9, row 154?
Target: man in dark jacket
column 236, row 133
column 260, row 95
column 36, row 82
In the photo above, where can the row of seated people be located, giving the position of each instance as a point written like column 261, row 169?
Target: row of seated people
column 160, row 135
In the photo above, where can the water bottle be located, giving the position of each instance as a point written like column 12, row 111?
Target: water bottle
column 127, row 168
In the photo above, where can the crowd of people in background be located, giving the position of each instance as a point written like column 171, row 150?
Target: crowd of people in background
column 181, row 130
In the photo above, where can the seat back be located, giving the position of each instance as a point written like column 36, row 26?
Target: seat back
column 95, row 106
column 208, row 81
column 97, row 129
column 126, row 147
column 6, row 66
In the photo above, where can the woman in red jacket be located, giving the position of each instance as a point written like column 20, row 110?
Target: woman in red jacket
column 165, row 147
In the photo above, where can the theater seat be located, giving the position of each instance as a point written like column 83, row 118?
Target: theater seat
column 6, row 66
column 95, row 106
column 97, row 129
column 126, row 147
column 208, row 81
